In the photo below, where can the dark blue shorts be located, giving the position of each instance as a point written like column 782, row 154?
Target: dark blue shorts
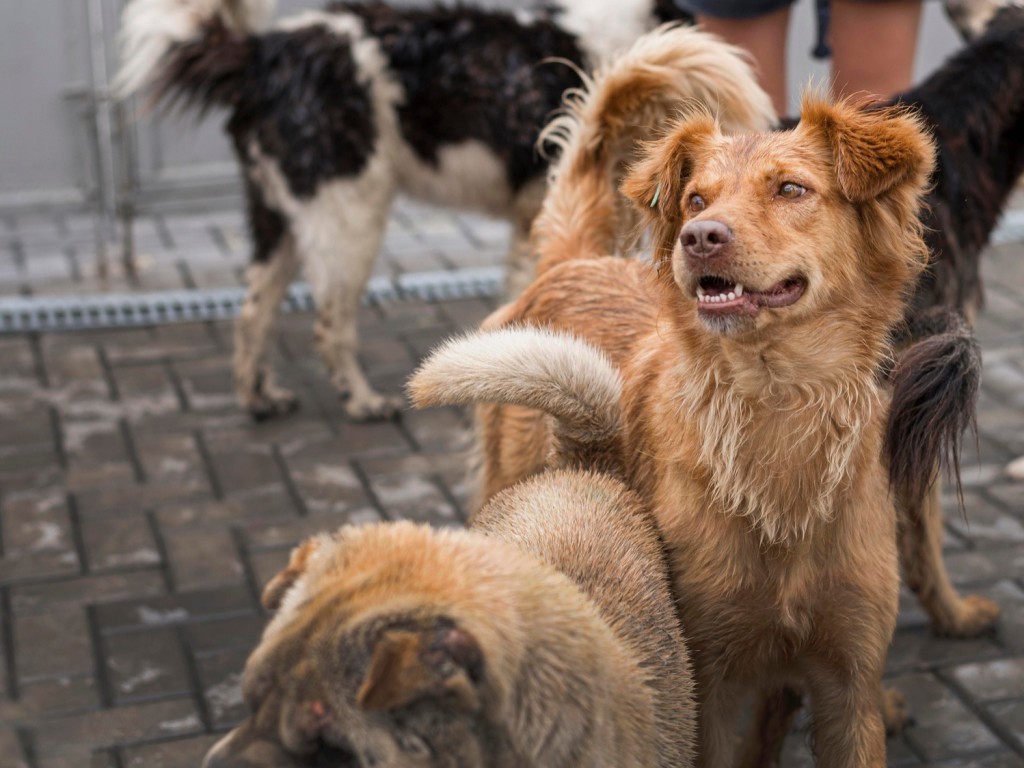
column 732, row 9
column 737, row 9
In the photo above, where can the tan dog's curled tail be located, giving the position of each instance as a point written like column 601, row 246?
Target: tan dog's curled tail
column 553, row 372
column 630, row 101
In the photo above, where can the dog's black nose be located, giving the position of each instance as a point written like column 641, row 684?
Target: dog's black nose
column 705, row 239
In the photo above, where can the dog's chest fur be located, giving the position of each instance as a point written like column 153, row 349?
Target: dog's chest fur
column 785, row 491
column 736, row 441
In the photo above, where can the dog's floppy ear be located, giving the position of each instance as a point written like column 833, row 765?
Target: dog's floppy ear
column 278, row 586
column 413, row 664
column 874, row 149
column 655, row 184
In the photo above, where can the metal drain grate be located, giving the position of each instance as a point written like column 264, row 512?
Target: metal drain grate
column 68, row 313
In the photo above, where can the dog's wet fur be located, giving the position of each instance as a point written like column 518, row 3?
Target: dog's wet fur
column 753, row 426
column 546, row 636
column 333, row 113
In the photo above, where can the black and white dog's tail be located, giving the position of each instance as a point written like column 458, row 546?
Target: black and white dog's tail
column 553, row 372
column 934, row 391
column 194, row 51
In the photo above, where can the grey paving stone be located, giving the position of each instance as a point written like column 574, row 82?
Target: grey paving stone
column 203, row 558
column 120, row 542
column 1010, row 715
column 52, row 644
column 202, row 512
column 153, row 612
column 220, row 677
column 10, row 747
column 412, row 497
column 992, row 680
column 144, row 665
column 63, row 695
column 120, row 725
column 919, row 649
column 943, row 727
column 325, row 480
column 224, row 634
column 290, row 531
column 180, row 753
column 87, row 589
column 1000, row 759
column 988, row 522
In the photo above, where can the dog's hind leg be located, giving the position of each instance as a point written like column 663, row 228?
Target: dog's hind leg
column 847, row 730
column 273, row 268
column 771, row 722
column 925, row 572
column 339, row 235
column 718, row 704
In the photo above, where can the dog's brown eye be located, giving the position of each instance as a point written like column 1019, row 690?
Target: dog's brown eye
column 697, row 203
column 791, row 190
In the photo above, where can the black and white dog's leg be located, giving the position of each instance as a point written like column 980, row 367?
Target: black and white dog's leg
column 521, row 262
column 273, row 268
column 339, row 235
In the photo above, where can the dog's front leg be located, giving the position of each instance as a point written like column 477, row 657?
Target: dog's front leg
column 846, row 721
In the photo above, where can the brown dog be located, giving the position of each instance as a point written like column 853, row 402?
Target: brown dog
column 753, row 412
column 552, row 640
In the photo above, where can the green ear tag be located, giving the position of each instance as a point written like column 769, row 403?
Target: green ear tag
column 657, row 194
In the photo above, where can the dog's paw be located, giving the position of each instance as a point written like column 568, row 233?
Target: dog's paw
column 975, row 615
column 374, row 407
column 895, row 712
column 266, row 405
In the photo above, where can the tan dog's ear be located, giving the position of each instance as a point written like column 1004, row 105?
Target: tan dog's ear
column 655, row 184
column 410, row 665
column 278, row 586
column 874, row 150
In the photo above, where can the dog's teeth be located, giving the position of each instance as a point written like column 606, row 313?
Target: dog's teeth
column 731, row 295
column 700, row 293
column 738, row 289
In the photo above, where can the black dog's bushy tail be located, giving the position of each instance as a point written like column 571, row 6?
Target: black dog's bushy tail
column 934, row 391
column 188, row 52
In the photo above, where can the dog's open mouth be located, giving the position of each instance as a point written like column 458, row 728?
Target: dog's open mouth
column 722, row 296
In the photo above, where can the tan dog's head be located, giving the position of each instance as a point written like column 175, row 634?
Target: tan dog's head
column 367, row 662
column 782, row 227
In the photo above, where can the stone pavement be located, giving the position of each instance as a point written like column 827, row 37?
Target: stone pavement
column 55, row 254
column 141, row 512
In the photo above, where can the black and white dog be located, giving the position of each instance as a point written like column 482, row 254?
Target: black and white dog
column 334, row 112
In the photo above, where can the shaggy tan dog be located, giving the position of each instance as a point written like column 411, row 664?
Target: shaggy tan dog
column 547, row 637
column 752, row 408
